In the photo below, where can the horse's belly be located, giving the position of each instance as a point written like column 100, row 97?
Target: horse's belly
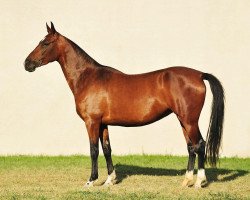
column 136, row 113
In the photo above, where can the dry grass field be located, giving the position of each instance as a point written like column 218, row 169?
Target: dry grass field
column 139, row 177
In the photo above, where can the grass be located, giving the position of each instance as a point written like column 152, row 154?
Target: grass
column 140, row 177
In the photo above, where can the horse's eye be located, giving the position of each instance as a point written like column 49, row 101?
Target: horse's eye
column 46, row 43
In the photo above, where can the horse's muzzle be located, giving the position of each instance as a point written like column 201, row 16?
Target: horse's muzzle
column 30, row 65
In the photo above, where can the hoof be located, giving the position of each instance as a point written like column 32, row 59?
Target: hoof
column 111, row 180
column 188, row 181
column 200, row 183
column 89, row 184
column 201, row 180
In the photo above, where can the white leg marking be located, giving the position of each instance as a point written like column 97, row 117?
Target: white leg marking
column 190, row 174
column 201, row 178
column 111, row 179
column 90, row 183
column 188, row 180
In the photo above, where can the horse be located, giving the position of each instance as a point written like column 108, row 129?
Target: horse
column 106, row 96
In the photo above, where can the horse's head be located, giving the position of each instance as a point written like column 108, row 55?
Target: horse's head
column 45, row 52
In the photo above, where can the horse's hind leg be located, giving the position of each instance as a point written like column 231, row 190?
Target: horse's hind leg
column 189, row 176
column 104, row 138
column 196, row 145
column 201, row 177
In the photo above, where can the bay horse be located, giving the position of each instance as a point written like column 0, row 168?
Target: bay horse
column 105, row 96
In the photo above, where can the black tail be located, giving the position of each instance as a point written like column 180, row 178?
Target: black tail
column 215, row 129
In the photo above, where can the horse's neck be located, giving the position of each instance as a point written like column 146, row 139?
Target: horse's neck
column 74, row 63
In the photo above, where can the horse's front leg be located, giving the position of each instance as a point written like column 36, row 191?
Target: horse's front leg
column 104, row 138
column 93, row 128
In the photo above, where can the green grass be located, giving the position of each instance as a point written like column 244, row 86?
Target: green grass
column 139, row 177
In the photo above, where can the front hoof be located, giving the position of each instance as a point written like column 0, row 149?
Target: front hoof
column 111, row 180
column 89, row 184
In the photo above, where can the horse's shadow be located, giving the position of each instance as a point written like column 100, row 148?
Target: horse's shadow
column 124, row 171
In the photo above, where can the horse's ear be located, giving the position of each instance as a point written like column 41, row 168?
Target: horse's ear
column 53, row 30
column 48, row 28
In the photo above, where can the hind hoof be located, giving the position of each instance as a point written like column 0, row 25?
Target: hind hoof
column 188, row 180
column 200, row 183
column 187, row 183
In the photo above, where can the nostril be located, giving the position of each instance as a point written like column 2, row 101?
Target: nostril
column 26, row 62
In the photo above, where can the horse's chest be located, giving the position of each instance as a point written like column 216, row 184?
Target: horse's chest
column 91, row 106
